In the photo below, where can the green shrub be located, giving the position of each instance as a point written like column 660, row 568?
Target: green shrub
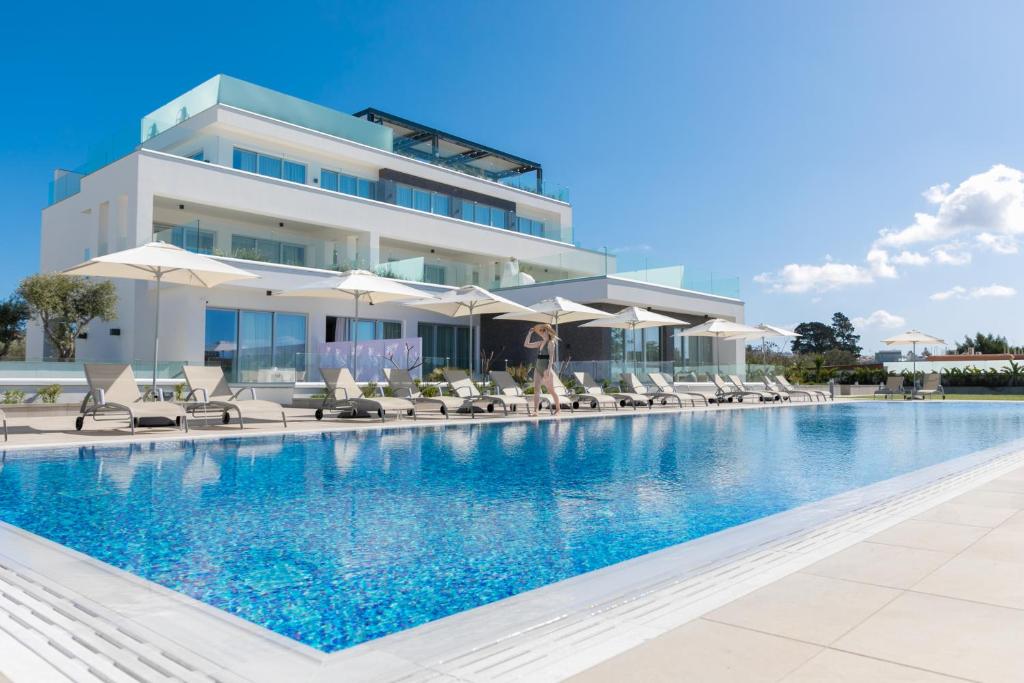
column 430, row 391
column 50, row 393
column 180, row 392
column 13, row 396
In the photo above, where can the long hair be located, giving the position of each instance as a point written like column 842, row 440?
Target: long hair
column 549, row 332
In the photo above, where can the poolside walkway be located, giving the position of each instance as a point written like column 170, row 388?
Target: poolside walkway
column 936, row 598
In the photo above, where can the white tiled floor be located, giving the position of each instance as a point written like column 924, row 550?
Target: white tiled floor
column 936, row 598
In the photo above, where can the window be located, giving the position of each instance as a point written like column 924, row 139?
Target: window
column 530, row 226
column 328, row 180
column 421, row 200
column 244, row 160
column 441, row 204
column 267, row 165
column 268, row 251
column 348, row 184
column 190, row 238
column 403, row 196
column 198, row 156
column 245, row 342
column 433, row 273
column 373, row 329
column 365, row 188
column 295, row 172
column 444, row 345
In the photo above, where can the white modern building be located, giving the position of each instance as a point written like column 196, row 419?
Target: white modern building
column 294, row 191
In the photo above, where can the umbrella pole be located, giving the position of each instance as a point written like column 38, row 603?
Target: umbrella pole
column 355, row 338
column 156, row 331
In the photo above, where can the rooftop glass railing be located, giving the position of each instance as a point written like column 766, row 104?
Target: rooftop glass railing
column 684, row 277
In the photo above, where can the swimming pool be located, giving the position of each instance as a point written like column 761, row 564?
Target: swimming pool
column 334, row 539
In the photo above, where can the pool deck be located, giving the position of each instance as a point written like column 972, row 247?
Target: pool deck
column 916, row 578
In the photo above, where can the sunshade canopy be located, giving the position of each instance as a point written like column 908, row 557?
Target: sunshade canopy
column 468, row 300
column 912, row 337
column 634, row 318
column 775, row 331
column 166, row 262
column 557, row 310
column 358, row 284
column 723, row 329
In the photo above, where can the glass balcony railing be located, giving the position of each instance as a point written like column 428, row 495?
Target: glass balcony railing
column 684, row 277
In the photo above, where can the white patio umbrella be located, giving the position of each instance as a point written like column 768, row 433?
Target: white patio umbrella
column 469, row 301
column 772, row 331
column 161, row 262
column 718, row 329
column 913, row 337
column 634, row 318
column 357, row 285
column 557, row 310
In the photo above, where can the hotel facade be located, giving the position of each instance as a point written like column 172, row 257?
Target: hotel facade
column 295, row 192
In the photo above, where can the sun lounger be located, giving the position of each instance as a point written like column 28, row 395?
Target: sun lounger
column 402, row 384
column 463, row 387
column 635, row 386
column 894, row 386
column 624, row 398
column 785, row 384
column 346, row 397
column 508, row 386
column 727, row 392
column 765, row 394
column 208, row 390
column 932, row 384
column 786, row 394
column 574, row 399
column 113, row 390
column 665, row 385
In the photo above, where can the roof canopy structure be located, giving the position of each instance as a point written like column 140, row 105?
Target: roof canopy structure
column 437, row 147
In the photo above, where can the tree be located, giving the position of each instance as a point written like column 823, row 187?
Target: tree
column 65, row 305
column 814, row 338
column 14, row 314
column 983, row 343
column 845, row 334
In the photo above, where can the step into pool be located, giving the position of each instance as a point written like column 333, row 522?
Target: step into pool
column 338, row 538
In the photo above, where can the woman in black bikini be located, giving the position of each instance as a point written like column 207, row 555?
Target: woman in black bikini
column 543, row 372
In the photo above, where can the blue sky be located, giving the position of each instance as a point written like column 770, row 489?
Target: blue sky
column 772, row 141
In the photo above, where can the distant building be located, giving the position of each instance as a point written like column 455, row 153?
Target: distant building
column 890, row 356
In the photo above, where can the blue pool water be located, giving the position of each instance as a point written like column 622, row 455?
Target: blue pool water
column 335, row 539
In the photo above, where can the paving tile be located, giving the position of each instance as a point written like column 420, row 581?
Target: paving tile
column 832, row 666
column 1004, row 485
column 1005, row 544
column 916, row 533
column 972, row 515
column 978, row 579
column 954, row 637
column 880, row 564
column 815, row 609
column 704, row 651
column 994, row 499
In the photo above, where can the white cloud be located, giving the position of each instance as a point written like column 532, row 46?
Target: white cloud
column 878, row 261
column 984, row 211
column 993, row 291
column 911, row 258
column 991, row 202
column 797, row 278
column 1000, row 244
column 880, row 318
column 958, row 292
column 951, row 255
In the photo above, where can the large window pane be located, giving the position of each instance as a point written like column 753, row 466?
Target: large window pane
column 293, row 254
column 441, row 204
column 498, row 218
column 421, row 200
column 243, row 247
column 348, row 184
column 433, row 273
column 270, row 166
column 290, row 341
column 391, row 329
column 329, row 180
column 294, row 172
column 365, row 188
column 403, row 196
column 269, row 250
column 255, row 344
column 463, row 348
column 244, row 160
column 482, row 214
column 221, row 339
